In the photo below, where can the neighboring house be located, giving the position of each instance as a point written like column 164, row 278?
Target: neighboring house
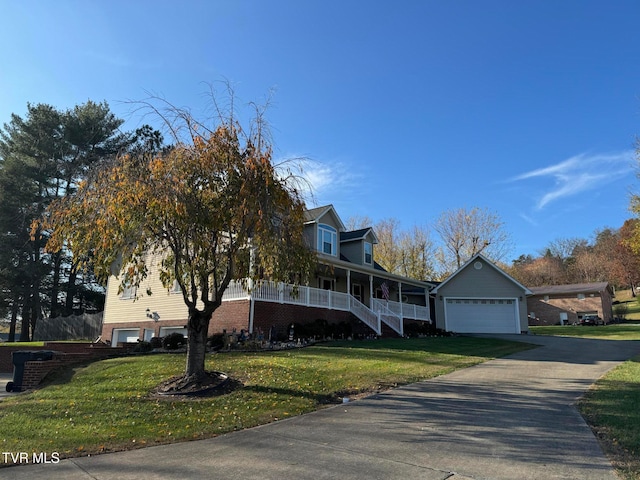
column 349, row 286
column 481, row 298
column 567, row 304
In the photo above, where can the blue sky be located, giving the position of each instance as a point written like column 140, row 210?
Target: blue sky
column 407, row 109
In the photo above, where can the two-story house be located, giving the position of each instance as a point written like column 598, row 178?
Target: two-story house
column 348, row 286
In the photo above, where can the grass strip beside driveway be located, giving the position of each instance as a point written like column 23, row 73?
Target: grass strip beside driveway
column 106, row 406
column 619, row 331
column 611, row 406
column 612, row 410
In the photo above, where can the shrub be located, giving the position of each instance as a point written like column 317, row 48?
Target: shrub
column 621, row 310
column 216, row 341
column 426, row 329
column 143, row 347
column 173, row 341
column 156, row 342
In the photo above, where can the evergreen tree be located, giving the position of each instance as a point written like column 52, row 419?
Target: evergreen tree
column 43, row 156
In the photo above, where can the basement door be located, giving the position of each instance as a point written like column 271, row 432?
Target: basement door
column 482, row 315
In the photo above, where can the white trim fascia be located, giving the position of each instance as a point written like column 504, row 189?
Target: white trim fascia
column 326, row 210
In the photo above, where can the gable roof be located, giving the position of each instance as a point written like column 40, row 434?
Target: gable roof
column 490, row 264
column 358, row 235
column 572, row 289
column 313, row 215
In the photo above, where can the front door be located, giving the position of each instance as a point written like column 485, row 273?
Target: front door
column 356, row 291
column 326, row 283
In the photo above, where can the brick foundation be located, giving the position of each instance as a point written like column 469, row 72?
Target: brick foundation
column 236, row 315
column 282, row 315
column 228, row 316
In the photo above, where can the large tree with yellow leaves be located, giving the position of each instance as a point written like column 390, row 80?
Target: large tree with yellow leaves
column 213, row 208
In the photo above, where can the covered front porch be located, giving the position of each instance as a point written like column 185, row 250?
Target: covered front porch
column 375, row 299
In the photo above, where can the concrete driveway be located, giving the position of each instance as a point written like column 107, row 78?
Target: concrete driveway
column 511, row 418
column 4, row 378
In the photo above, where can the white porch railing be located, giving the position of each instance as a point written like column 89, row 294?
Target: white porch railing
column 235, row 291
column 408, row 310
column 387, row 316
column 389, row 312
column 298, row 295
column 366, row 315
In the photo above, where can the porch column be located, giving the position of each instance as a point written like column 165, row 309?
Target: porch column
column 426, row 302
column 370, row 291
column 348, row 289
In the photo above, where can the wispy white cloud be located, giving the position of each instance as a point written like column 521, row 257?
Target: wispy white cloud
column 579, row 174
column 323, row 182
column 528, row 219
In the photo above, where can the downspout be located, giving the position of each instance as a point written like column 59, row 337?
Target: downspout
column 252, row 304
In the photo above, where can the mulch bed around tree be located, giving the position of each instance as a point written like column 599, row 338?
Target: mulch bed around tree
column 183, row 388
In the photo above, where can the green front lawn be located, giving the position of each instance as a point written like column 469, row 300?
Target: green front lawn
column 619, row 331
column 106, row 406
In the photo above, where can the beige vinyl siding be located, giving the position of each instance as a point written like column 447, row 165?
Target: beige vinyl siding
column 170, row 306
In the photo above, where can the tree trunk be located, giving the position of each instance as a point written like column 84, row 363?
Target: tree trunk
column 55, row 288
column 24, row 325
column 197, row 329
column 14, row 318
column 71, row 291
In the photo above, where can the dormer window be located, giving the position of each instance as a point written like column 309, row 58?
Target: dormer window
column 327, row 239
column 368, row 253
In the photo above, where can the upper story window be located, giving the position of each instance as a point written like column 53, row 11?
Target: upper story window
column 368, row 253
column 128, row 292
column 327, row 239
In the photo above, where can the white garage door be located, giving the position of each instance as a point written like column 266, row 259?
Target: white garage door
column 124, row 335
column 481, row 315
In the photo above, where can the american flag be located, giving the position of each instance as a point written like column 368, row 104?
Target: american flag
column 385, row 290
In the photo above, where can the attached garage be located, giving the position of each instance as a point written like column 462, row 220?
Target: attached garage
column 124, row 335
column 481, row 298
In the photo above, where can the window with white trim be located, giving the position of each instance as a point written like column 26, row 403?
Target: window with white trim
column 327, row 239
column 128, row 292
column 368, row 253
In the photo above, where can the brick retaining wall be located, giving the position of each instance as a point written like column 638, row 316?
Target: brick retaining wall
column 93, row 350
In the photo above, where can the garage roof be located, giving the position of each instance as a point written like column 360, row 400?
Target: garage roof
column 571, row 289
column 489, row 263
